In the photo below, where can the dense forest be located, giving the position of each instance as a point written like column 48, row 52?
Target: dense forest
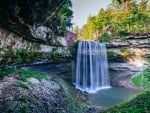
column 121, row 16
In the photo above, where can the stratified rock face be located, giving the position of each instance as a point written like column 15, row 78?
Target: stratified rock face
column 10, row 43
column 32, row 19
column 135, row 46
column 128, row 58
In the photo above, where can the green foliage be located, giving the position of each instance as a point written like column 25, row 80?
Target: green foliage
column 26, row 55
column 142, row 79
column 110, row 54
column 122, row 36
column 125, row 52
column 20, row 55
column 127, row 16
column 28, row 74
column 65, row 13
column 6, row 71
column 105, row 37
column 139, row 104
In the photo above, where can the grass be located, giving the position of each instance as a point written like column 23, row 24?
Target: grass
column 23, row 75
column 28, row 74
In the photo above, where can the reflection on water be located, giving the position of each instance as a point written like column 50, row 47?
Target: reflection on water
column 112, row 96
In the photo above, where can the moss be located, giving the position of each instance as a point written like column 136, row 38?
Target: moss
column 28, row 74
column 6, row 71
column 110, row 54
column 63, row 82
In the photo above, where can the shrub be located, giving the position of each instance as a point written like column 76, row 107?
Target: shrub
column 142, row 79
column 125, row 52
column 110, row 54
column 105, row 37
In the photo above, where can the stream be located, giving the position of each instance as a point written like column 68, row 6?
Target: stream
column 104, row 98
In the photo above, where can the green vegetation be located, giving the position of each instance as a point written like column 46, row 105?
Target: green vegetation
column 19, row 56
column 28, row 74
column 6, row 71
column 148, row 60
column 74, row 105
column 142, row 79
column 26, row 55
column 23, row 75
column 24, row 104
column 111, row 54
column 105, row 37
column 125, row 52
column 139, row 104
column 65, row 14
column 121, row 17
column 63, row 82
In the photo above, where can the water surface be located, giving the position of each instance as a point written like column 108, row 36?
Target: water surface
column 112, row 96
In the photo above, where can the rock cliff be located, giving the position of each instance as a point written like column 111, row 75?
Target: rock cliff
column 127, row 58
column 34, row 20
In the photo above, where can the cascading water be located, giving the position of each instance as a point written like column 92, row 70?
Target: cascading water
column 91, row 67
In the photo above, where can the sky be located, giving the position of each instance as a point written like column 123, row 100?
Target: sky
column 83, row 8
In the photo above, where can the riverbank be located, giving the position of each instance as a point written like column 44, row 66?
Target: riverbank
column 24, row 91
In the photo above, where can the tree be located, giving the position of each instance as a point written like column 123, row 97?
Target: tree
column 121, row 16
column 65, row 14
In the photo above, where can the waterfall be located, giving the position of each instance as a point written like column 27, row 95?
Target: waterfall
column 91, row 67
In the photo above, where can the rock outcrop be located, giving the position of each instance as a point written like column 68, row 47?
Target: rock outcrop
column 122, row 73
column 127, row 58
column 10, row 43
column 135, row 44
column 34, row 20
